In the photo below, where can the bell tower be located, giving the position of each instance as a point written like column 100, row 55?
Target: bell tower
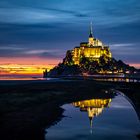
column 91, row 39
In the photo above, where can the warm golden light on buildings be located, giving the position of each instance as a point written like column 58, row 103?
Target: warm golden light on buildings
column 93, row 107
column 93, row 49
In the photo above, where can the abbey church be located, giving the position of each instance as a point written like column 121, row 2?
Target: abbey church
column 93, row 49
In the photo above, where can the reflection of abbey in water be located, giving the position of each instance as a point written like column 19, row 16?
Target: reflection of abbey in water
column 94, row 107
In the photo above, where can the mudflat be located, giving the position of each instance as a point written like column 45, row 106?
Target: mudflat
column 28, row 107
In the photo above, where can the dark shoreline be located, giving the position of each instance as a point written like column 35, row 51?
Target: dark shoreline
column 27, row 108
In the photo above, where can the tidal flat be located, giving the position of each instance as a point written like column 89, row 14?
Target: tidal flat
column 27, row 108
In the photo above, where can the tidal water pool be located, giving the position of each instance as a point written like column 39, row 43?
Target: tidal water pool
column 97, row 119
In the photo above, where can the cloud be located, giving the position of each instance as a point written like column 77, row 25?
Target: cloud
column 51, row 55
column 7, row 48
column 125, row 49
column 39, row 26
column 25, row 15
column 14, row 51
column 69, row 12
column 122, row 45
column 128, row 52
column 46, row 53
column 11, row 52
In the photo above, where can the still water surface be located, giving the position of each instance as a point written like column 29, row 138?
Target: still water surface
column 97, row 119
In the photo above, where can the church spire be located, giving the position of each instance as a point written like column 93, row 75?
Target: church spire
column 91, row 30
column 91, row 38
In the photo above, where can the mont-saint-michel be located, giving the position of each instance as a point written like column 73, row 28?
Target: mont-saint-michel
column 92, row 57
column 64, row 77
column 92, row 50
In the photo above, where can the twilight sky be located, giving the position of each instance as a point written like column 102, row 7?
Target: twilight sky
column 38, row 32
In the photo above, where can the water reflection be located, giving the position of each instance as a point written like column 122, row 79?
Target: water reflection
column 93, row 107
column 110, row 118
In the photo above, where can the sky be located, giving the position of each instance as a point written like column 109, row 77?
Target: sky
column 35, row 34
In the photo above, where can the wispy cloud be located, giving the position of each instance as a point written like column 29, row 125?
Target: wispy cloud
column 8, row 48
column 26, row 15
column 42, row 51
column 125, row 49
column 14, row 51
column 46, row 53
column 122, row 45
column 62, row 24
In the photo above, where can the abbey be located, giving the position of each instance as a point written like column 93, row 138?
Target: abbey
column 93, row 49
column 89, row 58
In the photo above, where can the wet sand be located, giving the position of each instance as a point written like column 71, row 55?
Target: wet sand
column 28, row 107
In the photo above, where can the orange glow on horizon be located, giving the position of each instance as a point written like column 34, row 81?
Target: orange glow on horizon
column 23, row 69
column 26, row 66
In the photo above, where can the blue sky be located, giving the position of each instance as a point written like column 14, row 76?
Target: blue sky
column 47, row 28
